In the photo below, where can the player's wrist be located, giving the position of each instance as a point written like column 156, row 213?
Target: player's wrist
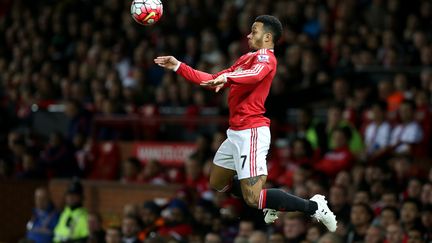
column 177, row 66
column 225, row 79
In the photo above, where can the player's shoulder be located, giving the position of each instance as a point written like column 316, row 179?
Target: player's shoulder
column 265, row 55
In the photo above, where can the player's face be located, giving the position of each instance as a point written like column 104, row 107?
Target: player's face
column 256, row 36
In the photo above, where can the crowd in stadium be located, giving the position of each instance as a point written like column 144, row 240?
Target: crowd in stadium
column 367, row 64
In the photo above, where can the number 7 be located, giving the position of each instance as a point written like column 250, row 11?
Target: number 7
column 244, row 160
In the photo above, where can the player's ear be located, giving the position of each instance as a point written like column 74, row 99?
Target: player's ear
column 268, row 37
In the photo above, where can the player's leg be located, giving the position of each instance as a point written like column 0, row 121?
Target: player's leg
column 251, row 168
column 255, row 196
column 221, row 178
column 276, row 199
column 223, row 169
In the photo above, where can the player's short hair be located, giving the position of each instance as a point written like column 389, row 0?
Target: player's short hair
column 272, row 25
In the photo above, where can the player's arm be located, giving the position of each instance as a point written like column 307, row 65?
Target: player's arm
column 193, row 75
column 260, row 68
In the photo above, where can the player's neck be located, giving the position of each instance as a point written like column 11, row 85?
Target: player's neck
column 264, row 46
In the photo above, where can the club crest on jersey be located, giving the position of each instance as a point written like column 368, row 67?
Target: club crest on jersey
column 263, row 58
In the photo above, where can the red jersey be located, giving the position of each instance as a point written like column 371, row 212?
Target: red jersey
column 249, row 80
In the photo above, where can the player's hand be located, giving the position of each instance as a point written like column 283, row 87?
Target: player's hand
column 168, row 62
column 216, row 83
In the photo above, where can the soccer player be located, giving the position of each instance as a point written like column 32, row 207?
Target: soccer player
column 243, row 154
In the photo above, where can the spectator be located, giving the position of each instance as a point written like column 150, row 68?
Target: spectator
column 176, row 217
column 314, row 232
column 204, row 213
column 395, row 234
column 339, row 203
column 410, row 214
column 31, row 168
column 426, row 218
column 402, row 169
column 389, row 215
column 106, row 162
column 335, row 120
column 294, row 227
column 358, row 174
column 374, row 234
column 426, row 193
column 341, row 90
column 385, row 90
column 402, row 88
column 96, row 231
column 130, row 209
column 58, row 157
column 301, row 154
column 407, row 134
column 246, row 228
column 276, row 238
column 73, row 222
column 131, row 168
column 309, row 128
column 151, row 220
column 40, row 228
column 330, row 238
column 338, row 159
column 362, row 196
column 212, row 237
column 16, row 146
column 416, row 235
column 230, row 210
column 343, row 178
column 389, row 199
column 113, row 235
column 194, row 237
column 153, row 173
column 257, row 236
column 413, row 189
column 377, row 132
column 130, row 228
column 423, row 115
column 78, row 119
column 386, row 198
column 300, row 177
column 356, row 111
column 194, row 175
column 204, row 145
column 361, row 217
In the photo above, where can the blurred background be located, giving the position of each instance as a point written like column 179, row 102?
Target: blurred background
column 96, row 137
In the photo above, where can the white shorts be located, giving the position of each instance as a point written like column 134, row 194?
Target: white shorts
column 245, row 151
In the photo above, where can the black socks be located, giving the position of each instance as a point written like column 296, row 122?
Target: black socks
column 278, row 199
column 283, row 201
column 236, row 188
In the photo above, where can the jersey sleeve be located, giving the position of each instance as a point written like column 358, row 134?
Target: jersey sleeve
column 261, row 66
column 197, row 76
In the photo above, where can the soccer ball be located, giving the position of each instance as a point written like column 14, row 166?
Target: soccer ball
column 146, row 12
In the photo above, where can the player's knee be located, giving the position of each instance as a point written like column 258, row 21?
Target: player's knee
column 215, row 184
column 251, row 200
